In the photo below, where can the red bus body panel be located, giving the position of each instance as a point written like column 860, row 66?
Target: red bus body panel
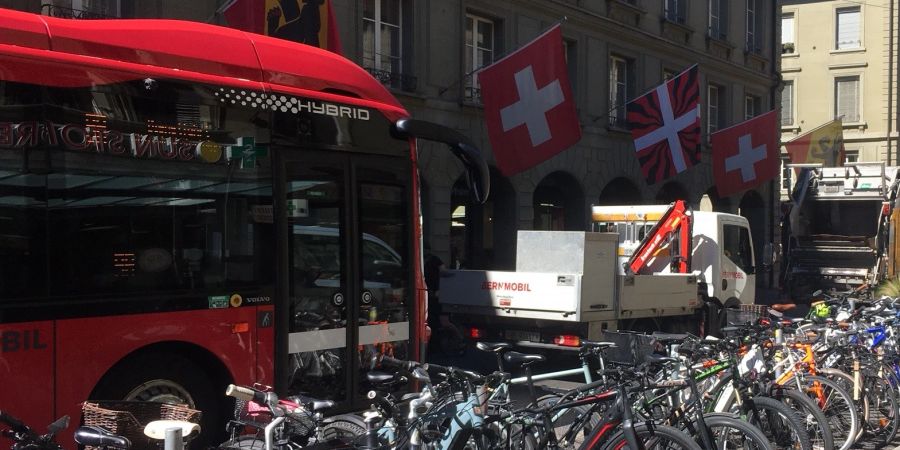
column 27, row 353
column 219, row 54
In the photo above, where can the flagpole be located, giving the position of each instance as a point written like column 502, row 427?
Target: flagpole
column 503, row 56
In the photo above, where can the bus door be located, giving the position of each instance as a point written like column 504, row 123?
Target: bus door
column 349, row 273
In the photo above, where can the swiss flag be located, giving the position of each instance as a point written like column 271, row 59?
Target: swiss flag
column 528, row 104
column 665, row 126
column 747, row 154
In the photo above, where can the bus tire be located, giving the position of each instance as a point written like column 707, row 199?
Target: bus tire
column 169, row 378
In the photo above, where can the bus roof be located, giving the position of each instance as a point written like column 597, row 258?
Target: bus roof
column 190, row 50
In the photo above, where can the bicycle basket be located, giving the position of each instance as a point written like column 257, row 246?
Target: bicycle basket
column 128, row 418
column 300, row 421
column 746, row 314
column 631, row 348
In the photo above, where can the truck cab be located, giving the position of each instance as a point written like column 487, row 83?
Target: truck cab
column 721, row 252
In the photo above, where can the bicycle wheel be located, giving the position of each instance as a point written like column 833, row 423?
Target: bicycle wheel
column 839, row 408
column 243, row 443
column 780, row 424
column 817, row 425
column 660, row 437
column 730, row 432
column 882, row 420
column 345, row 428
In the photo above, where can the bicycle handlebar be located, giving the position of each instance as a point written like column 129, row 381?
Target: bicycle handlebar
column 246, row 393
column 15, row 424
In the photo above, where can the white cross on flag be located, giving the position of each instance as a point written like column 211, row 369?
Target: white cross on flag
column 665, row 126
column 528, row 104
column 745, row 155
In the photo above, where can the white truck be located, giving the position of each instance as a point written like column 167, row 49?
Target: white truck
column 646, row 268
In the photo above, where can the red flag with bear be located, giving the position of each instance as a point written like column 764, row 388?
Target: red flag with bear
column 310, row 22
column 528, row 104
column 747, row 154
column 665, row 126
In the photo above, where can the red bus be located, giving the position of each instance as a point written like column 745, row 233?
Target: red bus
column 184, row 206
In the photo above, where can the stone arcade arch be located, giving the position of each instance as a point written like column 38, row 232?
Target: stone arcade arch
column 620, row 191
column 483, row 236
column 672, row 191
column 558, row 203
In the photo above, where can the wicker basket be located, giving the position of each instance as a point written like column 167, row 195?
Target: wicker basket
column 128, row 419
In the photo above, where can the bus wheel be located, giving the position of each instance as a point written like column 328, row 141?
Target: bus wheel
column 169, row 379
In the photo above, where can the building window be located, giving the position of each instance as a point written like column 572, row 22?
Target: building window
column 718, row 19
column 676, row 10
column 787, row 104
column 715, row 110
column 787, row 173
column 83, row 9
column 620, row 85
column 787, row 33
column 846, row 95
column 669, row 74
column 752, row 106
column 480, row 50
column 382, row 40
column 847, row 29
column 754, row 25
column 851, row 156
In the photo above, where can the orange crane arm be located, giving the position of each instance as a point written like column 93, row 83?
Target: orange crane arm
column 675, row 221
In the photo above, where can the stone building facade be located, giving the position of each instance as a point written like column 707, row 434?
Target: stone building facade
column 427, row 52
column 839, row 58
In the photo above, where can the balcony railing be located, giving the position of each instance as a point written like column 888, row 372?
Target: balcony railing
column 70, row 13
column 393, row 79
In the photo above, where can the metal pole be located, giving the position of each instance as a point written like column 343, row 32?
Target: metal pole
column 173, row 439
column 890, row 123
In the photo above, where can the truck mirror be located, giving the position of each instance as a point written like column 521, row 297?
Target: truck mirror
column 768, row 254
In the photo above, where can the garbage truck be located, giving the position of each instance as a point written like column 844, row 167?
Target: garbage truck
column 841, row 229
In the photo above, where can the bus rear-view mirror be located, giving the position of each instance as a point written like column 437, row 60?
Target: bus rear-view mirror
column 477, row 174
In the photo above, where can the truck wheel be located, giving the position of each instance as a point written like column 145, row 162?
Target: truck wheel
column 169, row 379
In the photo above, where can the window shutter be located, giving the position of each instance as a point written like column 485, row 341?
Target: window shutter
column 787, row 29
column 723, row 18
column 787, row 104
column 848, row 28
column 759, row 39
column 848, row 99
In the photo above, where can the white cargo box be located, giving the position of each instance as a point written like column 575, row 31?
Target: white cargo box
column 567, row 276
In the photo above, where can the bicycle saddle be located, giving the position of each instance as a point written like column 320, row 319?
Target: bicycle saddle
column 522, row 359
column 653, row 359
column 313, row 404
column 595, row 344
column 157, row 429
column 495, row 347
column 381, row 377
column 668, row 338
column 782, row 307
column 98, row 437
